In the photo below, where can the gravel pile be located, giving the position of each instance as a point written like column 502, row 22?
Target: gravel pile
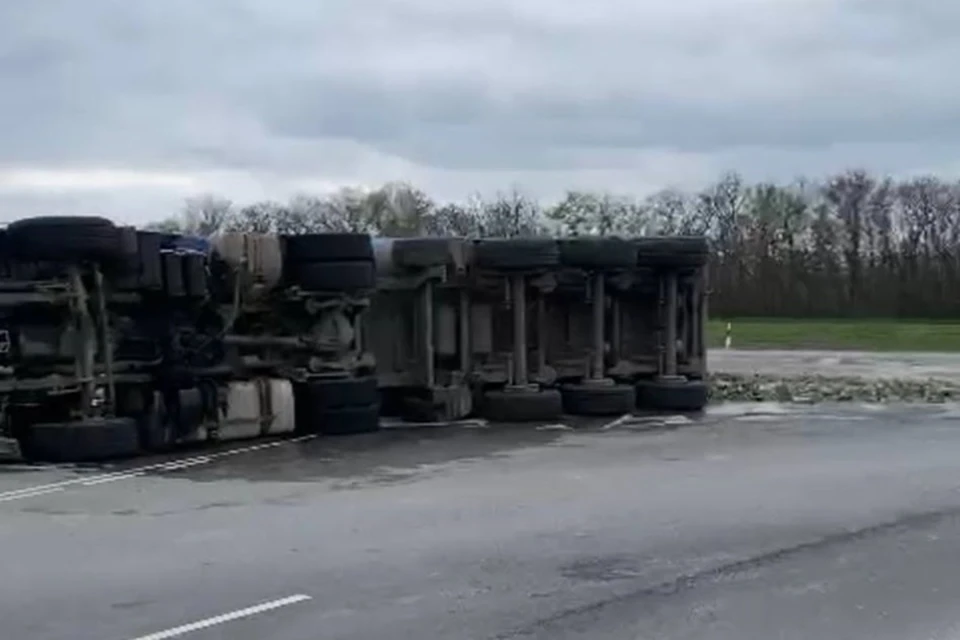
column 818, row 388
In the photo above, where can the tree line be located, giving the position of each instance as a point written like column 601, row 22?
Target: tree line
column 852, row 245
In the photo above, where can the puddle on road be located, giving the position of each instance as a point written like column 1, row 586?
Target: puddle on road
column 390, row 456
column 398, row 454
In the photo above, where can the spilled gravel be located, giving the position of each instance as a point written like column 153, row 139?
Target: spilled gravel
column 819, row 376
column 819, row 388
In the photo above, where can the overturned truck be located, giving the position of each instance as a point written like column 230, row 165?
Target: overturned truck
column 419, row 327
column 595, row 274
column 659, row 324
column 116, row 341
column 525, row 329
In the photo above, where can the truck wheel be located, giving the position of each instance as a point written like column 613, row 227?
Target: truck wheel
column 88, row 440
column 66, row 238
column 349, row 421
column 327, row 406
column 598, row 400
column 598, row 253
column 666, row 394
column 517, row 253
column 174, row 284
column 336, row 393
column 328, row 247
column 422, row 253
column 150, row 271
column 334, row 276
column 672, row 251
column 125, row 272
column 330, row 262
column 509, row 405
column 195, row 276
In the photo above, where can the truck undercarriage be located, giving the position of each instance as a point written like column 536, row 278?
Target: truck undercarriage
column 115, row 341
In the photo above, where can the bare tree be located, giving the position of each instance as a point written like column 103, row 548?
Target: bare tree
column 667, row 210
column 206, row 214
column 451, row 220
column 260, row 217
column 510, row 215
column 854, row 244
column 583, row 213
column 169, row 225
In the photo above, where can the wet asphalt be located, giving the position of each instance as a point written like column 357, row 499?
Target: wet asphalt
column 756, row 521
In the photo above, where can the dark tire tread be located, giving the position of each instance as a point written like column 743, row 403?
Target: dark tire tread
column 328, row 247
column 598, row 400
column 598, row 253
column 339, row 406
column 671, row 395
column 66, row 239
column 91, row 440
column 522, row 406
column 339, row 277
column 517, row 253
column 672, row 251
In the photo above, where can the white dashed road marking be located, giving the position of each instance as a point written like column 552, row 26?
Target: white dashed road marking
column 226, row 617
column 127, row 474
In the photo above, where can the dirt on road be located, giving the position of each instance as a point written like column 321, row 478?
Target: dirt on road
column 838, row 364
column 815, row 376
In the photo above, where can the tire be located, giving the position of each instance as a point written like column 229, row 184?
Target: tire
column 151, row 263
column 127, row 240
column 4, row 247
column 337, row 406
column 318, row 396
column 125, row 273
column 348, row 421
column 672, row 395
column 522, row 406
column 413, row 409
column 328, row 247
column 66, row 239
column 174, row 284
column 90, row 440
column 598, row 400
column 334, row 276
column 195, row 275
column 598, row 253
column 421, row 253
column 672, row 251
column 517, row 253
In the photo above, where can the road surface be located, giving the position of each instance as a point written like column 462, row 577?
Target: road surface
column 823, row 522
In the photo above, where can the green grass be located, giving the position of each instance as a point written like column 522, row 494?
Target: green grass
column 853, row 335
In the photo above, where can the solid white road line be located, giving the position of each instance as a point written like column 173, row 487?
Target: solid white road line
column 170, row 465
column 226, row 617
column 30, row 494
column 106, row 479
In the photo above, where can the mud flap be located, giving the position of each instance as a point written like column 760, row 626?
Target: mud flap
column 439, row 404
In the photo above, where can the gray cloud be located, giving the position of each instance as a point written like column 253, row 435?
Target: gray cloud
column 259, row 98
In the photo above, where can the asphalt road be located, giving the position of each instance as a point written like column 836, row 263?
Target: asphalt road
column 805, row 523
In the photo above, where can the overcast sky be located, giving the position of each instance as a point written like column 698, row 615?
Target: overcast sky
column 124, row 107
